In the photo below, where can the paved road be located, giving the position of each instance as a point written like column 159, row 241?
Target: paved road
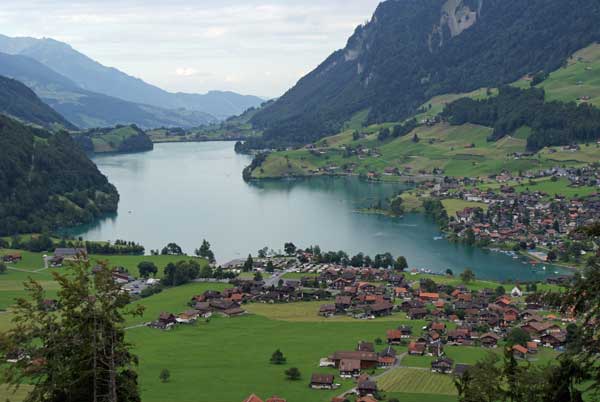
column 273, row 280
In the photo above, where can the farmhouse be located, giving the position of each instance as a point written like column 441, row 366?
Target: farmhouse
column 349, row 368
column 520, row 351
column 322, row 381
column 367, row 359
column 417, row 348
column 70, row 253
column 12, row 257
column 366, row 387
column 442, row 365
column 489, row 340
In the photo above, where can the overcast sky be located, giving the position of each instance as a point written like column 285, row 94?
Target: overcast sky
column 259, row 47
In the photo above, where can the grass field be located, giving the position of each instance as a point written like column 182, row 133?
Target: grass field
column 458, row 150
column 417, row 381
column 408, row 397
column 308, row 312
column 453, row 206
column 226, row 359
column 581, row 77
column 561, row 187
column 11, row 283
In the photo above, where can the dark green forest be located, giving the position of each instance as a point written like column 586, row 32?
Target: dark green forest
column 47, row 181
column 552, row 123
column 19, row 101
column 396, row 62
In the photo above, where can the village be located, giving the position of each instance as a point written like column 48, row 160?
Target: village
column 453, row 316
column 430, row 315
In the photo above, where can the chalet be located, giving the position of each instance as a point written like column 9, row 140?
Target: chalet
column 165, row 321
column 516, row 292
column 459, row 336
column 443, row 365
column 406, row 331
column 70, row 253
column 12, row 257
column 417, row 313
column 327, row 310
column 222, row 304
column 394, row 337
column 367, row 359
column 322, row 381
column 188, row 317
column 429, row 296
column 417, row 348
column 532, row 347
column 435, row 348
column 401, row 292
column 520, row 351
column 203, row 308
column 489, row 340
column 366, row 387
column 554, row 339
column 381, row 309
column 343, row 302
column 387, row 358
column 538, row 329
column 350, row 368
column 439, row 327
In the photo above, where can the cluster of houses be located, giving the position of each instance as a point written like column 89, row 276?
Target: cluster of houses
column 12, row 258
column 226, row 303
column 531, row 217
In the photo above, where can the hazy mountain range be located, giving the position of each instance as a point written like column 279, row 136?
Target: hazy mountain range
column 91, row 95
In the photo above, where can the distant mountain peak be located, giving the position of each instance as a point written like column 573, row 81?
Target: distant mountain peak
column 93, row 76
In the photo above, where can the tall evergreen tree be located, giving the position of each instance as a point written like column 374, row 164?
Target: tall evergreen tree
column 77, row 352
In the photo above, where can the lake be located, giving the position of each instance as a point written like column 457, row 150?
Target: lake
column 184, row 193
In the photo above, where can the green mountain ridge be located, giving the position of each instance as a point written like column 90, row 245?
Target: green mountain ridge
column 20, row 102
column 47, row 181
column 413, row 50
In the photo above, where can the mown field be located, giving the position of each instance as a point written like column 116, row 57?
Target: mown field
column 417, row 381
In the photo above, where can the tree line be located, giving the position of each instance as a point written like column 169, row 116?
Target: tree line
column 552, row 123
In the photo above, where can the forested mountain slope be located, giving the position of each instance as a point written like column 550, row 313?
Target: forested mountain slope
column 412, row 50
column 47, row 181
column 95, row 77
column 88, row 109
column 19, row 101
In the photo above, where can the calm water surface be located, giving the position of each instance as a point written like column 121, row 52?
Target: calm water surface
column 186, row 192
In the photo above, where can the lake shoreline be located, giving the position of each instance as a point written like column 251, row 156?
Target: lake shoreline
column 187, row 192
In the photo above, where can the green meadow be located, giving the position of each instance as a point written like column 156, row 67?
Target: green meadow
column 458, row 150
